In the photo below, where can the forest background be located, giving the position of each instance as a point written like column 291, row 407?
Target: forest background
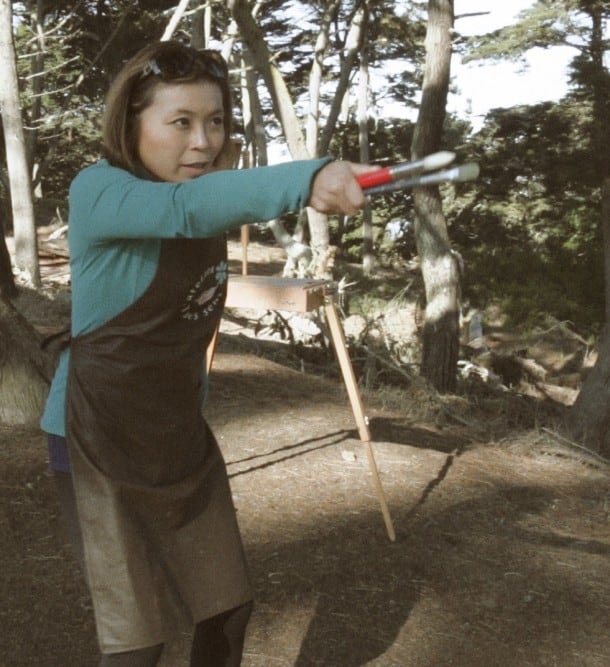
column 527, row 235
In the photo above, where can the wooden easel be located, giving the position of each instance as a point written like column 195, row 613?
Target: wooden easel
column 301, row 295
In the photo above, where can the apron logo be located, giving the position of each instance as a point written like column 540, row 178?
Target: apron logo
column 205, row 297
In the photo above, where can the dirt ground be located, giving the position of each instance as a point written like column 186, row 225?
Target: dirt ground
column 501, row 556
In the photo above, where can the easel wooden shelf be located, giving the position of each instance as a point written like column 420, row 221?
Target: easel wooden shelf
column 302, row 296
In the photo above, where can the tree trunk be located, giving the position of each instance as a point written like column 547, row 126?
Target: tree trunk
column 26, row 245
column 312, row 126
column 256, row 147
column 198, row 24
column 25, row 369
column 589, row 419
column 353, row 46
column 368, row 254
column 175, row 19
column 284, row 110
column 38, row 84
column 283, row 106
column 7, row 280
column 600, row 133
column 441, row 274
column 318, row 223
column 440, row 268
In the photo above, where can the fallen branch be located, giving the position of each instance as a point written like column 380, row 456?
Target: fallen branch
column 570, row 443
column 418, row 381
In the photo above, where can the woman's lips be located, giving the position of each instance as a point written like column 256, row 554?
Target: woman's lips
column 196, row 168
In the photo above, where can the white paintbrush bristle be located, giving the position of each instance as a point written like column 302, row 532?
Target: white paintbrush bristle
column 438, row 160
column 466, row 172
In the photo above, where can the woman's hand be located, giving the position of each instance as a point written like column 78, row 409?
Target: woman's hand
column 336, row 190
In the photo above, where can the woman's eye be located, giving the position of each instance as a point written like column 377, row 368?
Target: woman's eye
column 218, row 120
column 181, row 122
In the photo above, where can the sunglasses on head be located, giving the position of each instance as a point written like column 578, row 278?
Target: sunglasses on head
column 179, row 63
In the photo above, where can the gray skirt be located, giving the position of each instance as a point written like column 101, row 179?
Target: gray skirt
column 158, row 559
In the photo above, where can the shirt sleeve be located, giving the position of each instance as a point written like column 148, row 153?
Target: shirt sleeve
column 108, row 203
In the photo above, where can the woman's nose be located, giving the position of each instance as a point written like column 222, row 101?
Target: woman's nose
column 200, row 138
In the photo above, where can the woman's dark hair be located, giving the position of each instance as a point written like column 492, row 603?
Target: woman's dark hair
column 133, row 88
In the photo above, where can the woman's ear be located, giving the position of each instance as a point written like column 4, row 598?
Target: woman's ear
column 230, row 154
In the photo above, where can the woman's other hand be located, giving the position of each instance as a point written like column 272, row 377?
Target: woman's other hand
column 336, row 190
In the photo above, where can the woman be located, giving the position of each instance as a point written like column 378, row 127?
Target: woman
column 155, row 523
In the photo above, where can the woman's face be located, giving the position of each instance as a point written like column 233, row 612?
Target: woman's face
column 181, row 132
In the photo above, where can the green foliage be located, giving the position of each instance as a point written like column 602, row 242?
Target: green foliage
column 68, row 53
column 542, row 26
column 389, row 143
column 529, row 227
column 530, row 232
column 546, row 23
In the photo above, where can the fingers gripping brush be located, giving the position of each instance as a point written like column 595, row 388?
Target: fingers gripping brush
column 465, row 172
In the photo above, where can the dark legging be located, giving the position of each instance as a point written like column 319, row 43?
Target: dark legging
column 144, row 657
column 217, row 641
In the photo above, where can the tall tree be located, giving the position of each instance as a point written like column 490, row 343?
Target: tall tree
column 24, row 226
column 25, row 367
column 590, row 421
column 590, row 415
column 580, row 25
column 439, row 265
column 284, row 109
column 8, row 288
column 300, row 144
column 368, row 254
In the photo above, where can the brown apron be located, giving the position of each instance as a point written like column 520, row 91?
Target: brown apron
column 161, row 540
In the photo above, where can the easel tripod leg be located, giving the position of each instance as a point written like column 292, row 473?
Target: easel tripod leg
column 340, row 345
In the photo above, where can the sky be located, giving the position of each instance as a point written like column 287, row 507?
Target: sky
column 484, row 87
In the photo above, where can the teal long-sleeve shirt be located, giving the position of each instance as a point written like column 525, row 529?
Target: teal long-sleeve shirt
column 117, row 222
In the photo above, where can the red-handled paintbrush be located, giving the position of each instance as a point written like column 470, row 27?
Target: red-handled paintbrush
column 464, row 172
column 399, row 171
